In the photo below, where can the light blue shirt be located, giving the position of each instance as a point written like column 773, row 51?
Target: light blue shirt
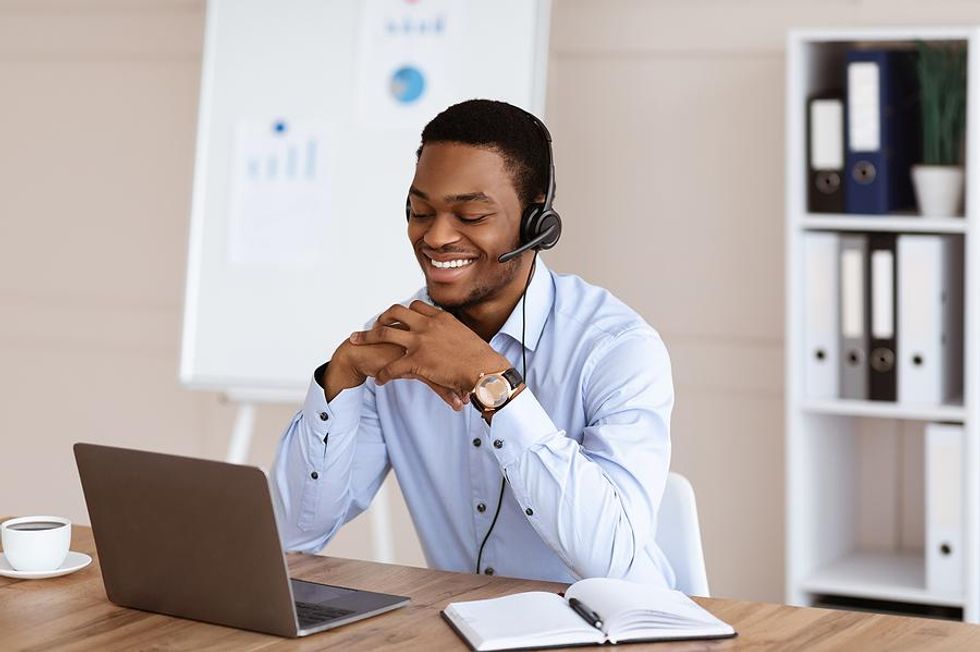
column 585, row 449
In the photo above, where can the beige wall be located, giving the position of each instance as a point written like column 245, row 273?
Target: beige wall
column 668, row 122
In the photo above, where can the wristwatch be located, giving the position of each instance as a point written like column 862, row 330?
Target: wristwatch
column 494, row 390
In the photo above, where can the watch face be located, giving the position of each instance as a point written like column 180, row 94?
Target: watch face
column 493, row 390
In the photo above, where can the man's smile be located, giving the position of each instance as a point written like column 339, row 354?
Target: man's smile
column 446, row 268
column 447, row 264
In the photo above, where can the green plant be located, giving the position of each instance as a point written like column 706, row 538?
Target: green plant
column 942, row 87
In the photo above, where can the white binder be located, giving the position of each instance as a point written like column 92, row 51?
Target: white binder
column 820, row 340
column 944, row 509
column 930, row 319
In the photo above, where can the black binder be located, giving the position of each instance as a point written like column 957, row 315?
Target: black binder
column 883, row 310
column 825, row 154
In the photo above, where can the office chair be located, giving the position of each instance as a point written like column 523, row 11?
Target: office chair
column 679, row 535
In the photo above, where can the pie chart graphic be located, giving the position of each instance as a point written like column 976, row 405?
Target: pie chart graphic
column 407, row 84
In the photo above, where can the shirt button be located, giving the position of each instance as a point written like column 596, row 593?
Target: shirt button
column 498, row 443
column 481, row 507
column 529, row 511
column 324, row 416
column 314, row 475
column 477, row 442
column 488, row 571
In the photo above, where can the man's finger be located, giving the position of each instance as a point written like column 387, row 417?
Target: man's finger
column 403, row 367
column 383, row 335
column 401, row 315
column 424, row 308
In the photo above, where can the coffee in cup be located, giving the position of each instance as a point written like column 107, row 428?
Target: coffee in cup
column 36, row 543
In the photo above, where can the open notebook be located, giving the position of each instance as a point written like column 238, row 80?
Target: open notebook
column 623, row 611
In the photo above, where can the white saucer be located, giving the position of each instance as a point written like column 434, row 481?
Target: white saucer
column 73, row 562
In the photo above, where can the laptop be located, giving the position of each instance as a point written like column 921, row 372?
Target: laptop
column 198, row 539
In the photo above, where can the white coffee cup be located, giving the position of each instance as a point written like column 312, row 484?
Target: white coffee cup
column 36, row 543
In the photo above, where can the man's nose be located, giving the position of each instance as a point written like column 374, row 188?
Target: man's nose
column 441, row 231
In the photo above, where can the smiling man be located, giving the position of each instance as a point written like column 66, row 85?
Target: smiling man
column 525, row 413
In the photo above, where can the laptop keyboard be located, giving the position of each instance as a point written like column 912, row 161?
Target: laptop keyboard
column 311, row 614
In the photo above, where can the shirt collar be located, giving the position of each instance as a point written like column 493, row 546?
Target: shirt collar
column 540, row 298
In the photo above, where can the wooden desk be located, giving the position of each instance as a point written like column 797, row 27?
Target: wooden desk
column 72, row 613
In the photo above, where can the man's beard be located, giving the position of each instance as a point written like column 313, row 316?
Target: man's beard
column 483, row 292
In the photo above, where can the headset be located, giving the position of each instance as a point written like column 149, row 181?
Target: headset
column 540, row 222
column 540, row 229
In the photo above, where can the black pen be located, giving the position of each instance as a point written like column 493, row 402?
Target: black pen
column 587, row 614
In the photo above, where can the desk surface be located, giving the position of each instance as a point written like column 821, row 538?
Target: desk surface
column 72, row 612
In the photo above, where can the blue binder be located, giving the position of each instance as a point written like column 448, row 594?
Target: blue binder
column 883, row 136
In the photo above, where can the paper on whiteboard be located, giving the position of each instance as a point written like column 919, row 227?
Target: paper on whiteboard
column 406, row 54
column 280, row 193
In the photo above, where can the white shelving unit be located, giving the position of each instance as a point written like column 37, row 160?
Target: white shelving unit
column 847, row 535
column 899, row 224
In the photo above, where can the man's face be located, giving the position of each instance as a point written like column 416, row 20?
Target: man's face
column 465, row 213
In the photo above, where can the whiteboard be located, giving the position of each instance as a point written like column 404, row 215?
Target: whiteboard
column 310, row 115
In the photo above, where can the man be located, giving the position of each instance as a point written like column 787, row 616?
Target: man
column 556, row 478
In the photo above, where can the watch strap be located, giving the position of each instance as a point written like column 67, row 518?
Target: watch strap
column 513, row 377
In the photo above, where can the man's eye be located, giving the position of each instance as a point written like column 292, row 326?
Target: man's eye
column 469, row 219
column 419, row 216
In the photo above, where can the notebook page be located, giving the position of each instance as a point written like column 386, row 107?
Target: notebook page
column 521, row 620
column 632, row 607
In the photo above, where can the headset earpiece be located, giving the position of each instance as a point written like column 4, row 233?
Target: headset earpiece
column 408, row 209
column 537, row 221
column 540, row 223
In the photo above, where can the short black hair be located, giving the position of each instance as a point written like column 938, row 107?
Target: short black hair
column 502, row 128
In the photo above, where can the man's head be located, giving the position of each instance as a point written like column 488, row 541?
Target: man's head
column 480, row 164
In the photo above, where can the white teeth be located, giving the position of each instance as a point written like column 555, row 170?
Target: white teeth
column 450, row 263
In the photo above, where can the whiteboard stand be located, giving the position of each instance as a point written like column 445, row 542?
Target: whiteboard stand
column 243, row 429
column 382, row 540
column 241, row 434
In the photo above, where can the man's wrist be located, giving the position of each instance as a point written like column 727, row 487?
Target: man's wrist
column 340, row 374
column 320, row 373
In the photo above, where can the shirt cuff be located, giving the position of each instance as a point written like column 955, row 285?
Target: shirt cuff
column 342, row 414
column 518, row 426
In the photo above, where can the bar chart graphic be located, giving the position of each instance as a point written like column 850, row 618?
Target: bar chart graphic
column 280, row 188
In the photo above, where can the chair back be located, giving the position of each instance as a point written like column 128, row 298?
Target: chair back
column 679, row 535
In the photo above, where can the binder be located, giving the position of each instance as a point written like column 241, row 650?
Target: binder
column 930, row 319
column 944, row 509
column 853, row 317
column 825, row 189
column 820, row 343
column 882, row 131
column 882, row 340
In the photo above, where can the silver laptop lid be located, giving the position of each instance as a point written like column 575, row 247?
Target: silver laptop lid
column 187, row 537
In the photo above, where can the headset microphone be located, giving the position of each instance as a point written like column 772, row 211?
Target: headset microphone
column 547, row 235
